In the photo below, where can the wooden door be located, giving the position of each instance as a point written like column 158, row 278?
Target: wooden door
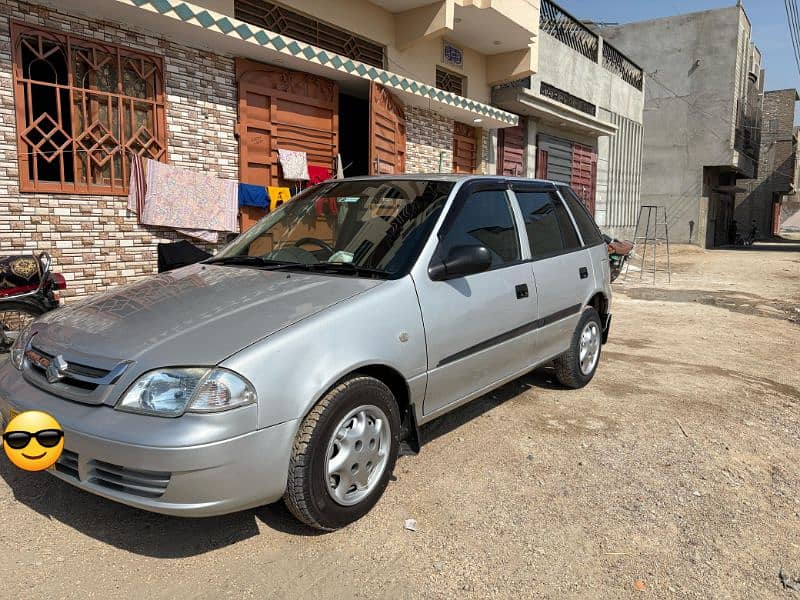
column 281, row 109
column 776, row 216
column 511, row 151
column 387, row 132
column 584, row 174
column 465, row 148
column 541, row 163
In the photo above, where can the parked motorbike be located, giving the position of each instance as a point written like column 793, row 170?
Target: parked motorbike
column 619, row 253
column 28, row 289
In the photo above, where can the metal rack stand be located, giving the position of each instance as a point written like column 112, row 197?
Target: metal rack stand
column 652, row 217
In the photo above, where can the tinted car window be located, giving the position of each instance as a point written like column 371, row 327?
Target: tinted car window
column 568, row 233
column 485, row 219
column 589, row 232
column 541, row 223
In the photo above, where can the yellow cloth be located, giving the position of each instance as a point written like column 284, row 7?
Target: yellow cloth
column 277, row 196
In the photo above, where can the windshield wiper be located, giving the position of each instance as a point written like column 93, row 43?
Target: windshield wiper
column 337, row 267
column 247, row 260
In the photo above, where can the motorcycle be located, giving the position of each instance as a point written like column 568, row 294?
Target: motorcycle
column 28, row 289
column 618, row 254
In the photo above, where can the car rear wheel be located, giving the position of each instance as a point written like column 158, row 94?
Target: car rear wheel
column 577, row 366
column 344, row 454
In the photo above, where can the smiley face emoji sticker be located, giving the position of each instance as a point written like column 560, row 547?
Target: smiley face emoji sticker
column 33, row 440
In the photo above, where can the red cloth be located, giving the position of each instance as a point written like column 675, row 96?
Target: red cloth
column 318, row 174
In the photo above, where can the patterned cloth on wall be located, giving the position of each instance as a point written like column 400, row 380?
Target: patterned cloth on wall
column 294, row 165
column 191, row 202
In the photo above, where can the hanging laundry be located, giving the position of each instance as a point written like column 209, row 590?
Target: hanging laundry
column 339, row 167
column 194, row 203
column 278, row 196
column 253, row 195
column 294, row 165
column 318, row 174
column 138, row 187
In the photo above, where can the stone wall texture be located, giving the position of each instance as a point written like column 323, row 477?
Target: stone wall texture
column 429, row 136
column 94, row 241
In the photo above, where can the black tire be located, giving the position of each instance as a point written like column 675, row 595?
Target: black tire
column 14, row 316
column 568, row 365
column 307, row 495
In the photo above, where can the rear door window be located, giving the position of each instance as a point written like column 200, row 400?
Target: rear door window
column 589, row 231
column 550, row 230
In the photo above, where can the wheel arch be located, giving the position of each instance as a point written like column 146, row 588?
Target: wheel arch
column 397, row 383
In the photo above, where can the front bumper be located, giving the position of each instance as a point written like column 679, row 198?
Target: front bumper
column 195, row 480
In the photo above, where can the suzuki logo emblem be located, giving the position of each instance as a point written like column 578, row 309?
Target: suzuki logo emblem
column 56, row 369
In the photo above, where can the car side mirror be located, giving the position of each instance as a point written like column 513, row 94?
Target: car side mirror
column 460, row 262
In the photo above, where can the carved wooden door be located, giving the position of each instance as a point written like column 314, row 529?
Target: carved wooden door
column 281, row 109
column 511, row 151
column 465, row 148
column 387, row 132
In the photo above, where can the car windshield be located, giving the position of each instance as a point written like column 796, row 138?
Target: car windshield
column 368, row 228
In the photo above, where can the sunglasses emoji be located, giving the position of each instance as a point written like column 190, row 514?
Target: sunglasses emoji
column 33, row 441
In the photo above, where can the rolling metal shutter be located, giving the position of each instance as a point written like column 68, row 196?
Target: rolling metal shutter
column 559, row 158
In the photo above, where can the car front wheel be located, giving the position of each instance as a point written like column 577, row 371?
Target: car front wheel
column 344, row 454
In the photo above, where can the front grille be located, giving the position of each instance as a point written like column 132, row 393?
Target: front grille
column 147, row 484
column 67, row 464
column 75, row 374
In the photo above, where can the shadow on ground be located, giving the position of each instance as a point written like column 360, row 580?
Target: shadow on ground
column 161, row 536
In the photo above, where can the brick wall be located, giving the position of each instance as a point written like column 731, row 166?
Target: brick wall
column 776, row 170
column 95, row 243
column 427, row 135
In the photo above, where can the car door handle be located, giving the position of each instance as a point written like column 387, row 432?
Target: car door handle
column 522, row 291
column 584, row 273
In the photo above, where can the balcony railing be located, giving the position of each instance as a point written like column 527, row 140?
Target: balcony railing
column 555, row 21
column 619, row 64
column 748, row 129
column 554, row 93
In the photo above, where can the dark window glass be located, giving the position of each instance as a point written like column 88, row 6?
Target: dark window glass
column 485, row 219
column 541, row 223
column 568, row 233
column 589, row 231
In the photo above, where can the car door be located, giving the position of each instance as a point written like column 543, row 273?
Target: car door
column 477, row 327
column 561, row 267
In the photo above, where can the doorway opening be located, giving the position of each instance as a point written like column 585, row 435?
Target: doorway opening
column 354, row 135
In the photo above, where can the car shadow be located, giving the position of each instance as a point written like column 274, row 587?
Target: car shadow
column 543, row 377
column 161, row 536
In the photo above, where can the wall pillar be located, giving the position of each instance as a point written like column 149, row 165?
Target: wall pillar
column 531, row 147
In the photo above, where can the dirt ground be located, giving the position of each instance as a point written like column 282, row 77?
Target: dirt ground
column 677, row 470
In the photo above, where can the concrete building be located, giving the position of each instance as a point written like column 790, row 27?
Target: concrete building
column 219, row 86
column 761, row 203
column 702, row 116
column 790, row 207
column 582, row 120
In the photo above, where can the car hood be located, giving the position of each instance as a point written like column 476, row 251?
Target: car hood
column 198, row 315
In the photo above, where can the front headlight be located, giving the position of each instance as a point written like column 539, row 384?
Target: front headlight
column 20, row 344
column 171, row 392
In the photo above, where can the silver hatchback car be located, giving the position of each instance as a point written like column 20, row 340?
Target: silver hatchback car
column 300, row 360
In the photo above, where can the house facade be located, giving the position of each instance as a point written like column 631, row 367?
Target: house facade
column 702, row 116
column 774, row 183
column 219, row 86
column 582, row 114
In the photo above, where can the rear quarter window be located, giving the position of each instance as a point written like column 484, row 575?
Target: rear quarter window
column 589, row 231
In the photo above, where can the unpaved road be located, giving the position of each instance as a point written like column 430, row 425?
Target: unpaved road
column 679, row 466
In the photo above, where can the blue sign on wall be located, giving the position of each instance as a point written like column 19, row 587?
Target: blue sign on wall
column 453, row 55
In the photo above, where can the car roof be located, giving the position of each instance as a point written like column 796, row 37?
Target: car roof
column 451, row 177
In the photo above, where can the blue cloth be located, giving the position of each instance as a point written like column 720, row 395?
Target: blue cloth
column 253, row 195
